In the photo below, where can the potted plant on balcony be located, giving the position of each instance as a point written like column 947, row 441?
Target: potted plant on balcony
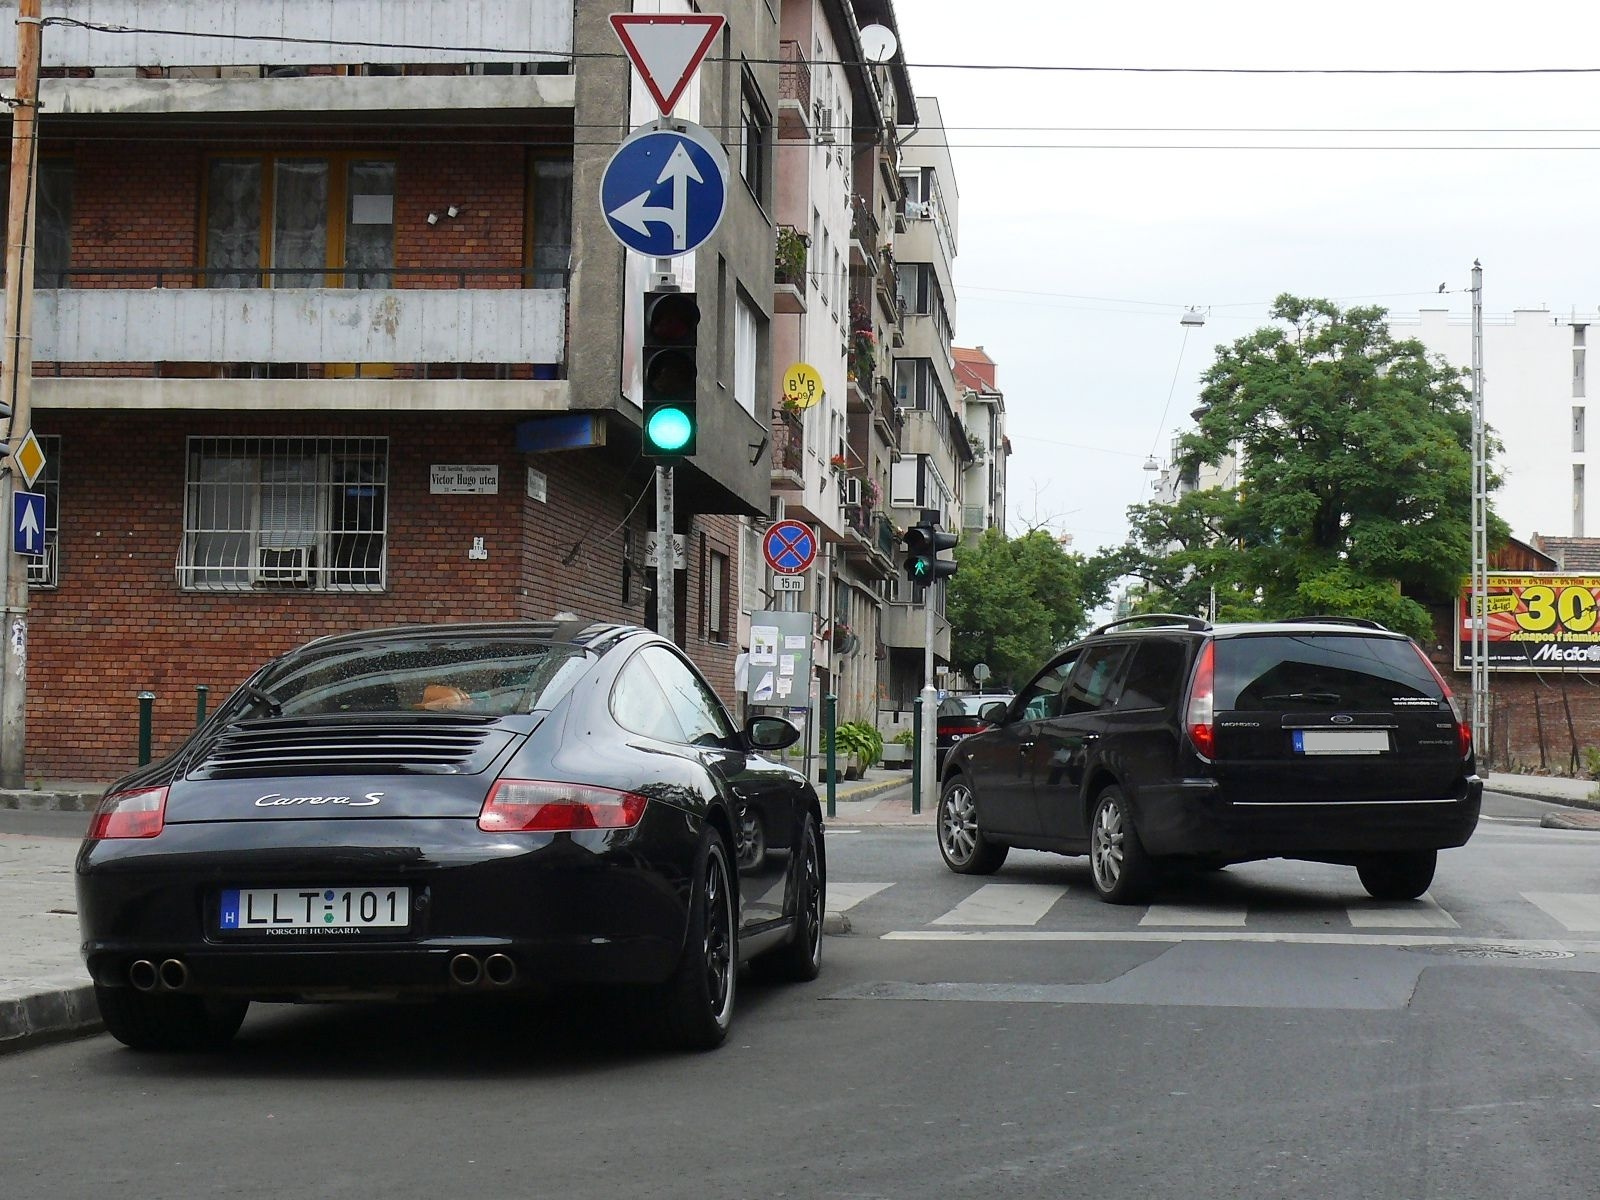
column 863, row 354
column 789, row 258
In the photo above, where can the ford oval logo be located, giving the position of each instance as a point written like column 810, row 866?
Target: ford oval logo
column 1341, row 718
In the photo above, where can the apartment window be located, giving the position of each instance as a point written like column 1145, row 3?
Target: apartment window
column 1577, row 429
column 1577, row 500
column 1578, row 372
column 293, row 221
column 305, row 514
column 746, row 351
column 52, row 225
column 550, row 225
column 756, row 126
column 43, row 571
column 717, row 596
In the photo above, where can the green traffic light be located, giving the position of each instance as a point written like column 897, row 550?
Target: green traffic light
column 669, row 428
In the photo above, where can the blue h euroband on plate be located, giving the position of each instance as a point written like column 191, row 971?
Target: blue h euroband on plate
column 664, row 191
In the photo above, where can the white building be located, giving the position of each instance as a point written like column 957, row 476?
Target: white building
column 1534, row 403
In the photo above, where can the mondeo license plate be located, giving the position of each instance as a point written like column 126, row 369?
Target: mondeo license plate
column 1341, row 741
column 310, row 911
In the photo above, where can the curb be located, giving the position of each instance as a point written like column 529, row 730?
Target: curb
column 49, row 801
column 1528, row 793
column 50, row 1014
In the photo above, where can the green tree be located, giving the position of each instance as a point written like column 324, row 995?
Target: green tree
column 1015, row 600
column 1355, row 474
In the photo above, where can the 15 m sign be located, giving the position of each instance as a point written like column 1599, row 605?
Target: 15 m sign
column 1535, row 623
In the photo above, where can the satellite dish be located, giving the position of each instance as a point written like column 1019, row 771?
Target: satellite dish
column 878, row 43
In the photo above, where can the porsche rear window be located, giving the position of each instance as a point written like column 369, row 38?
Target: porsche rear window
column 1279, row 673
column 483, row 677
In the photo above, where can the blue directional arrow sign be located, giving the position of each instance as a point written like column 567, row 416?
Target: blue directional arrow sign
column 27, row 523
column 665, row 188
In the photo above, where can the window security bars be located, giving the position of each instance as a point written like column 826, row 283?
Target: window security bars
column 275, row 514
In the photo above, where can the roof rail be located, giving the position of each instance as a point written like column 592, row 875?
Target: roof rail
column 1361, row 622
column 1196, row 623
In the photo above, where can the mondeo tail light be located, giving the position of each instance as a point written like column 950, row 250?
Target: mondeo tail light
column 140, row 813
column 535, row 806
column 1463, row 729
column 1200, row 717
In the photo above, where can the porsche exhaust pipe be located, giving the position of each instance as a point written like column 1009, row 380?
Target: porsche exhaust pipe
column 142, row 975
column 500, row 968
column 465, row 970
column 174, row 974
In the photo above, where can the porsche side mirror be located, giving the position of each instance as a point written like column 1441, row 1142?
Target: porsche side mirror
column 770, row 733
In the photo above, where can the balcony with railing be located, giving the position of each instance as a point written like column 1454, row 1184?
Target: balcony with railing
column 788, row 449
column 161, row 322
column 790, row 256
column 864, row 235
column 794, row 92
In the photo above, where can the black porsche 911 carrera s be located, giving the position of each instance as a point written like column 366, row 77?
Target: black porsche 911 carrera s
column 437, row 810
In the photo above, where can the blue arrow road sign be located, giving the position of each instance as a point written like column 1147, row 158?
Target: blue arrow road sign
column 664, row 190
column 27, row 522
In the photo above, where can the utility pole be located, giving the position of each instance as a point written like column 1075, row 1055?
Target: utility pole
column 16, row 378
column 1479, row 607
column 666, row 557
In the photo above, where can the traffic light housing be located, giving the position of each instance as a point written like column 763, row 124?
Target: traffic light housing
column 923, row 544
column 671, row 328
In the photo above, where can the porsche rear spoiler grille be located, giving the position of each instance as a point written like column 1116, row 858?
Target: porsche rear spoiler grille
column 430, row 744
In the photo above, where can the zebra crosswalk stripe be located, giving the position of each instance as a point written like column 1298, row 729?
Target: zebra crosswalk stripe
column 1423, row 913
column 1578, row 912
column 1004, row 904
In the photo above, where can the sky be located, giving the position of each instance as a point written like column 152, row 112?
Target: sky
column 1075, row 265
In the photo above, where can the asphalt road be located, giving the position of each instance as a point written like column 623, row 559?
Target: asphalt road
column 1266, row 1031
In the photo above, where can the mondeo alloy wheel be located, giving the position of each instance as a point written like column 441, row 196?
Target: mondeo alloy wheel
column 961, row 842
column 1122, row 870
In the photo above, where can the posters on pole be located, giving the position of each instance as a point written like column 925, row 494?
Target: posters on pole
column 780, row 659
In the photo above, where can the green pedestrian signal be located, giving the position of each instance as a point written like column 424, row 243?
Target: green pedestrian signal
column 671, row 326
column 923, row 543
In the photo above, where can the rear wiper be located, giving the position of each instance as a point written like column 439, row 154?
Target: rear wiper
column 1314, row 697
column 264, row 698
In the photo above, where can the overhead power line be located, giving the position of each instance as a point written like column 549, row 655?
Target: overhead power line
column 289, row 39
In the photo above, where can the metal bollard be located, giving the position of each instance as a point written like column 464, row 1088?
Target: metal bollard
column 201, row 691
column 830, row 705
column 916, row 759
column 147, row 702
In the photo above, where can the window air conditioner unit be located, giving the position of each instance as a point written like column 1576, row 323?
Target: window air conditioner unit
column 851, row 491
column 825, row 129
column 289, row 567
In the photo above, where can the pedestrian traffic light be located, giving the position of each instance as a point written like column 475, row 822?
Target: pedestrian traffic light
column 671, row 325
column 923, row 544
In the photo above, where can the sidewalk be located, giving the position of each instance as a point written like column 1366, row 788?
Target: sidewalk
column 44, row 991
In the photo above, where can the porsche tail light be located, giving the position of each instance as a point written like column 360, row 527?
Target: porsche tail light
column 1200, row 717
column 1463, row 728
column 536, row 806
column 140, row 813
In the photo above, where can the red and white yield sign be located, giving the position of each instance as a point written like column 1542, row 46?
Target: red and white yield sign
column 667, row 48
column 789, row 547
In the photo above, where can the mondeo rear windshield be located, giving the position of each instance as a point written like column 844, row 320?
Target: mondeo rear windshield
column 1321, row 671
column 492, row 677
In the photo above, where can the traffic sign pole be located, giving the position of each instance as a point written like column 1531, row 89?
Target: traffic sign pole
column 666, row 572
column 16, row 377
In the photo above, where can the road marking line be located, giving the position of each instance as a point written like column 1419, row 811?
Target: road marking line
column 1402, row 914
column 842, row 896
column 1579, row 912
column 1192, row 914
column 1217, row 935
column 1004, row 904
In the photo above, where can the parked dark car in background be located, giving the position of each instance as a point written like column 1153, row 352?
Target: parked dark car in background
column 1163, row 740
column 959, row 717
column 453, row 810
